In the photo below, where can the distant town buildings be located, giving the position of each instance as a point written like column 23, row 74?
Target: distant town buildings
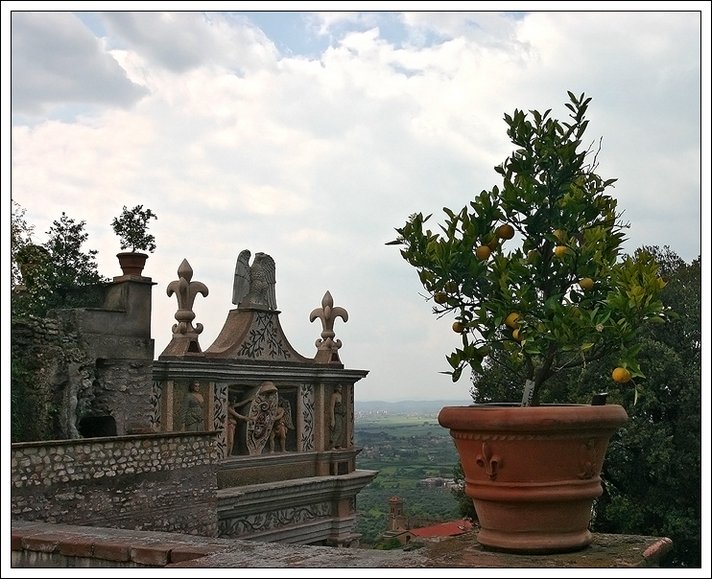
column 404, row 529
column 435, row 482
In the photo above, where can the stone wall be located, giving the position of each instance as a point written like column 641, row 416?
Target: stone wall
column 85, row 372
column 157, row 482
column 52, row 376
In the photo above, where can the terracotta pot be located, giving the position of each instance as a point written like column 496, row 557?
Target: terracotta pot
column 131, row 262
column 533, row 472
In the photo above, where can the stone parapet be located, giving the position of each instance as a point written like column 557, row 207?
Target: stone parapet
column 35, row 544
column 309, row 510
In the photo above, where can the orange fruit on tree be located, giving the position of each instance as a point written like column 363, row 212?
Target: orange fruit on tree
column 517, row 334
column 621, row 375
column 586, row 283
column 511, row 320
column 560, row 234
column 458, row 327
column 483, row 252
column 440, row 297
column 561, row 250
column 505, row 231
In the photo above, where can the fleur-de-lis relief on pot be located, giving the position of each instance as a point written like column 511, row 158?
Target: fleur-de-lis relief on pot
column 588, row 460
column 490, row 462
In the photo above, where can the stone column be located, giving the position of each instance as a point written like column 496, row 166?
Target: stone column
column 167, row 406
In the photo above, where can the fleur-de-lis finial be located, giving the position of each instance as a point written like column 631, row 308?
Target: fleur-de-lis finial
column 327, row 346
column 186, row 292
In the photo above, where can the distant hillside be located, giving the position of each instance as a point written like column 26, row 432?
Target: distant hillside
column 406, row 406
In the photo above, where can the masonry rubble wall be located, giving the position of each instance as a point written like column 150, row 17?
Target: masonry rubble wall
column 153, row 482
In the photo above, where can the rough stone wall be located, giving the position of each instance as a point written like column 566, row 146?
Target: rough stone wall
column 156, row 482
column 85, row 363
column 42, row 403
column 123, row 390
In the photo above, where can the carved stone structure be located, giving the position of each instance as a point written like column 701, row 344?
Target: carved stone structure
column 94, row 364
column 283, row 480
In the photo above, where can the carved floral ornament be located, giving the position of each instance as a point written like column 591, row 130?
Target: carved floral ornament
column 327, row 313
column 186, row 291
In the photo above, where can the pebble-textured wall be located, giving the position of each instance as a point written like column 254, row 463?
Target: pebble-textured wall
column 156, row 482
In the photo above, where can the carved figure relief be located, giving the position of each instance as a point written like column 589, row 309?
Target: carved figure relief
column 192, row 419
column 282, row 424
column 337, row 419
column 260, row 419
column 260, row 411
column 233, row 417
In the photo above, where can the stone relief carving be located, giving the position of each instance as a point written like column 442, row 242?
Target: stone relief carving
column 350, row 419
column 306, row 393
column 337, row 418
column 192, row 409
column 219, row 415
column 154, row 418
column 274, row 519
column 261, row 410
column 264, row 340
column 282, row 423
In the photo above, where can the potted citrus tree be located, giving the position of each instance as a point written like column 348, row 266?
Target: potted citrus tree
column 132, row 228
column 532, row 270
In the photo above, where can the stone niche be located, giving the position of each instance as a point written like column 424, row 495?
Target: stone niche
column 283, row 421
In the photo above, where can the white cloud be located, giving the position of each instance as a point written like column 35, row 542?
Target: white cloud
column 316, row 160
column 181, row 41
column 56, row 60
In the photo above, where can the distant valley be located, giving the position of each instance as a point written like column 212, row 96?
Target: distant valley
column 415, row 459
column 423, row 407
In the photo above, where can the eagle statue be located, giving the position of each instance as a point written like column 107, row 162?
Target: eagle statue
column 254, row 285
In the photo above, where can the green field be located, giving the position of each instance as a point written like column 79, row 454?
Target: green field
column 405, row 450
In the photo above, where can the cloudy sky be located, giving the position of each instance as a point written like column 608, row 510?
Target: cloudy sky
column 310, row 136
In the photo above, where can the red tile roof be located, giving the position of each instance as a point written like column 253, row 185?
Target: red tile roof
column 449, row 529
